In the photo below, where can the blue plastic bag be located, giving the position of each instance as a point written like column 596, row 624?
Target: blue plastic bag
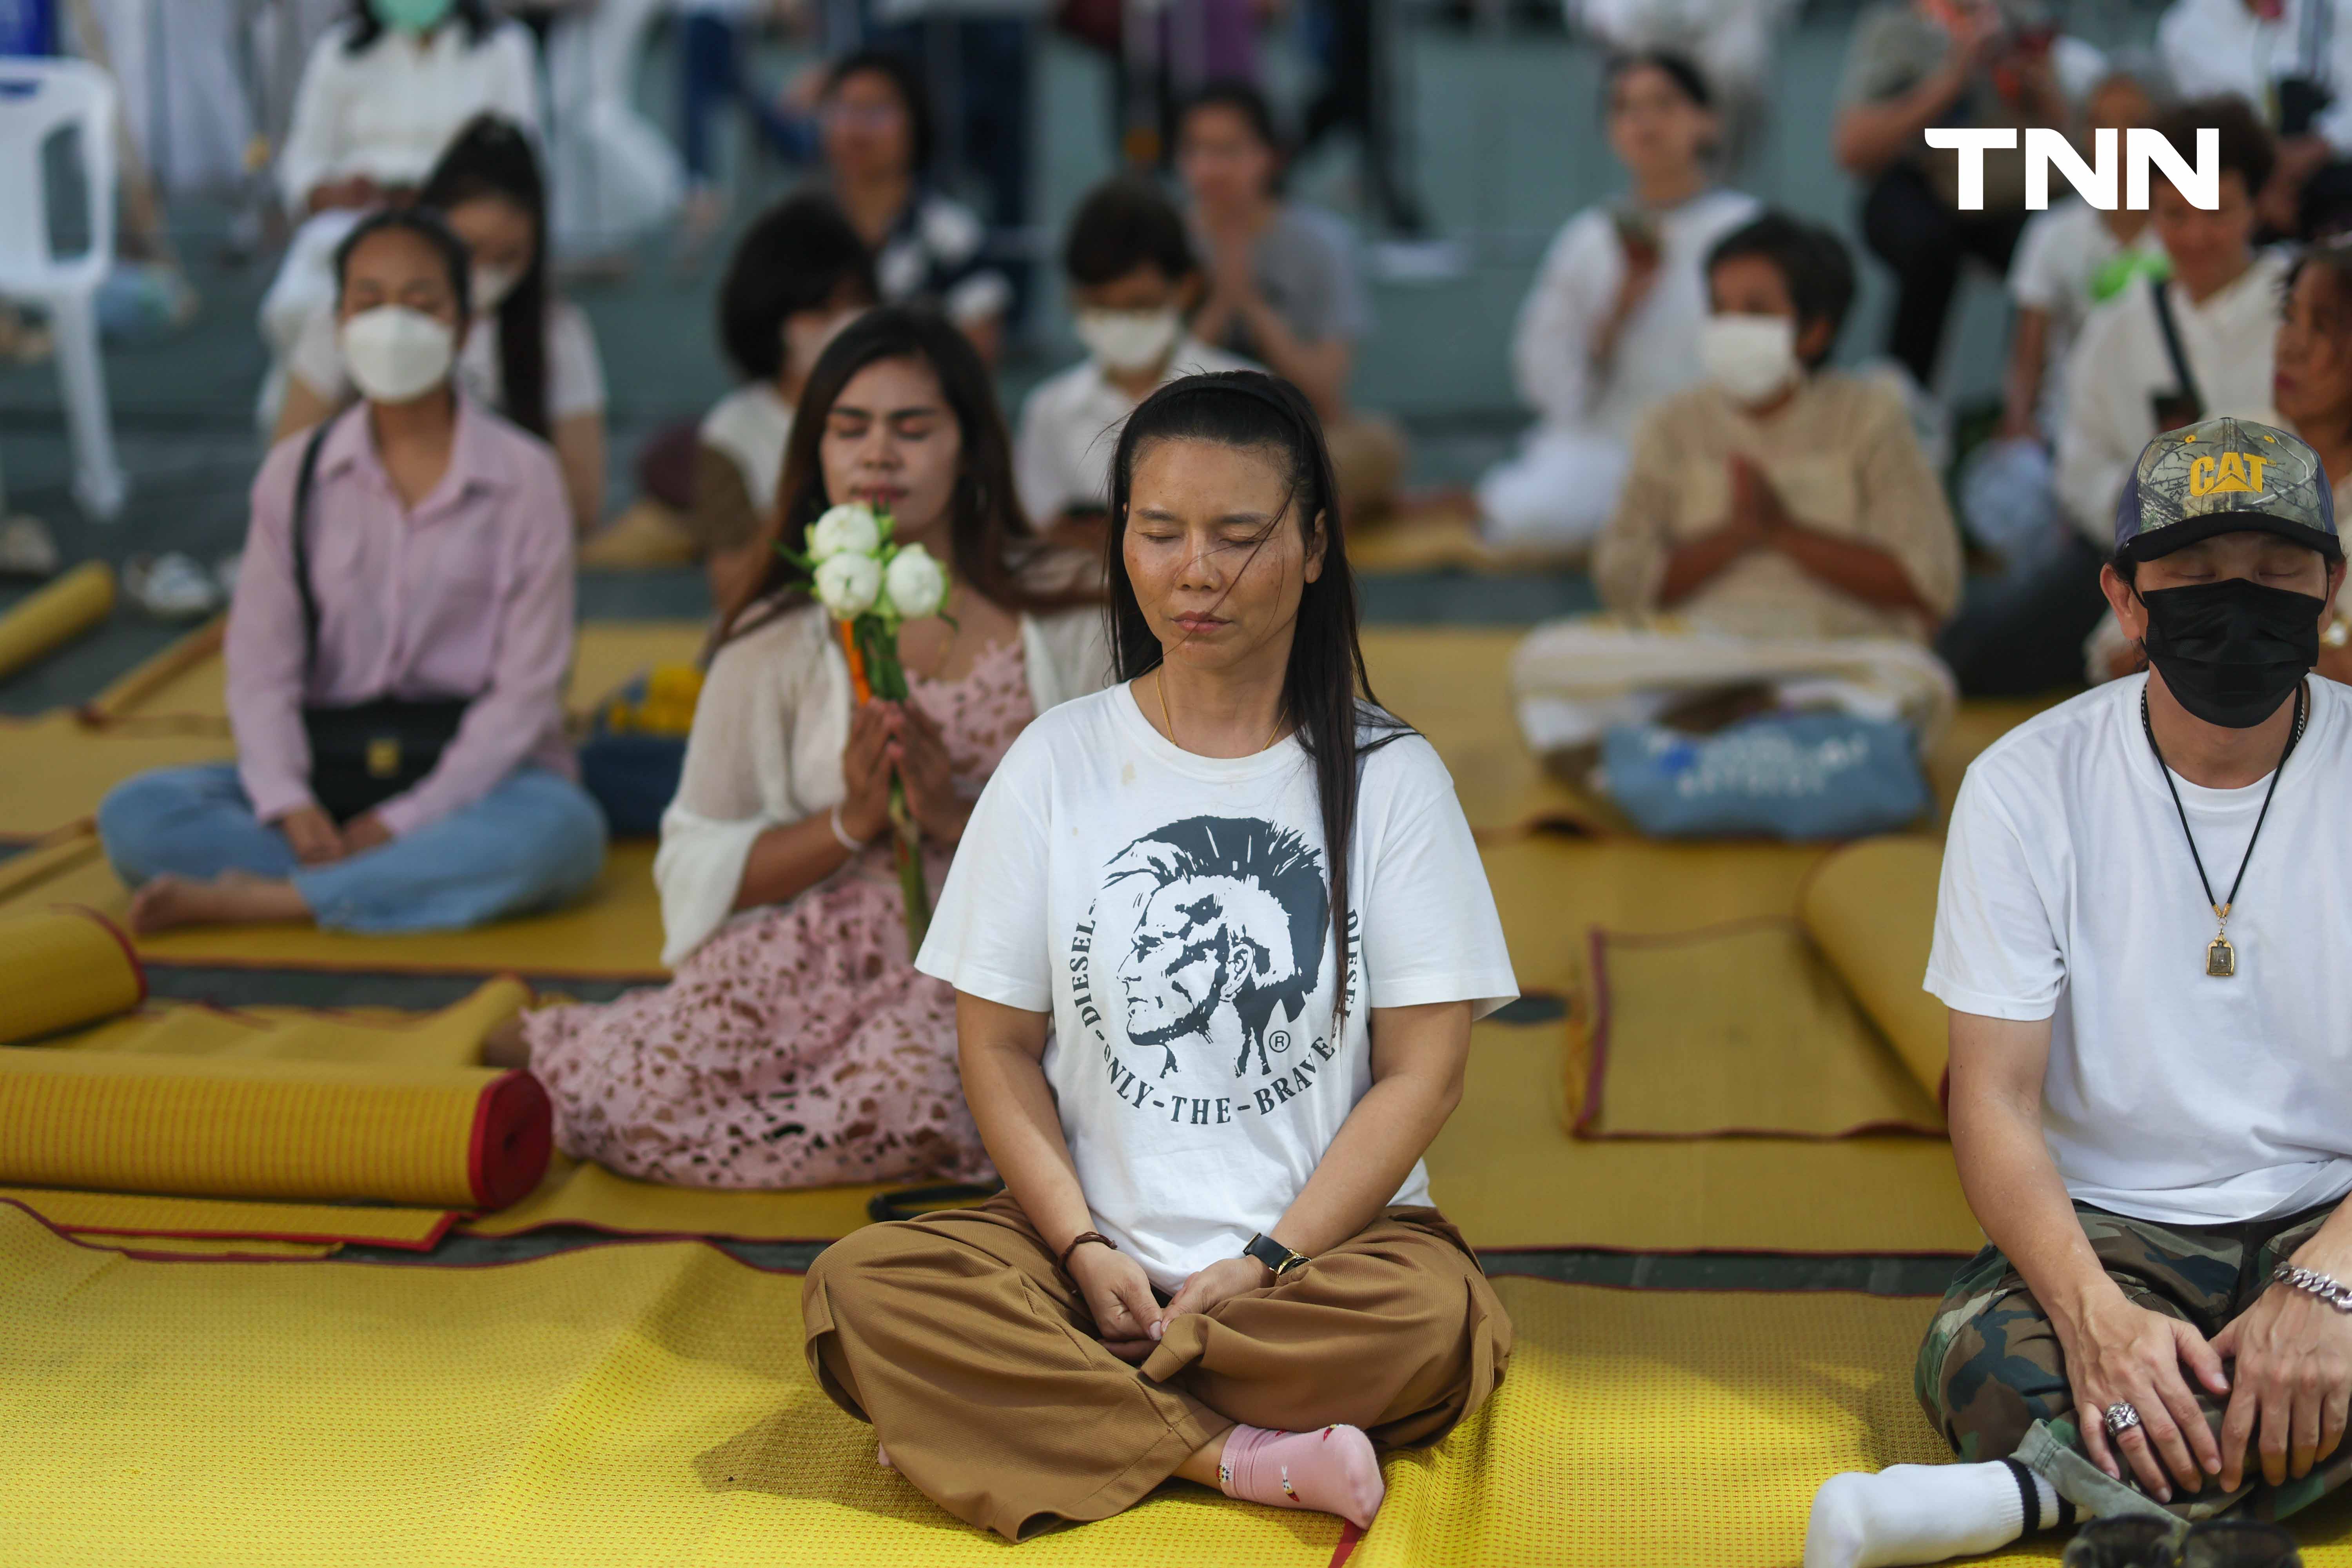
column 1778, row 775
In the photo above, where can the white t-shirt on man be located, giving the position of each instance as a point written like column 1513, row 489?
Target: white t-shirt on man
column 1173, row 913
column 2069, row 894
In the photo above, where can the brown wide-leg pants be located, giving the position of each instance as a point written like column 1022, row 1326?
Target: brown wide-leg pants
column 980, row 1368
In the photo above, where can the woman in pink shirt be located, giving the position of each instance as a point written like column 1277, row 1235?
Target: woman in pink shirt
column 396, row 652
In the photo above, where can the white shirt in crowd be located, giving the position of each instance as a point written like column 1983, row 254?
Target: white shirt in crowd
column 1561, row 488
column 575, row 374
column 2064, row 256
column 390, row 110
column 2119, row 365
column 1172, row 912
column 1657, row 350
column 1070, row 424
column 2069, row 894
column 751, row 424
column 2213, row 46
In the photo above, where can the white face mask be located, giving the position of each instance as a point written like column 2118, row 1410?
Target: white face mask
column 492, row 286
column 1128, row 343
column 395, row 354
column 1751, row 357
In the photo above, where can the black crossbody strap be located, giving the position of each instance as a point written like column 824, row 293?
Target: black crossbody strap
column 299, row 527
column 2171, row 330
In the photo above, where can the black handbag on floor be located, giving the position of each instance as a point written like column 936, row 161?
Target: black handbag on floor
column 361, row 755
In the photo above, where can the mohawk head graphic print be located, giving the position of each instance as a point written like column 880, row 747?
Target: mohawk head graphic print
column 1230, row 918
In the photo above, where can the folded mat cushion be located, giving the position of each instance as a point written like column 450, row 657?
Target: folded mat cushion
column 1739, row 1029
column 63, row 967
column 324, row 1132
column 1871, row 911
column 628, row 1404
column 34, row 626
column 274, row 1104
column 1815, row 1028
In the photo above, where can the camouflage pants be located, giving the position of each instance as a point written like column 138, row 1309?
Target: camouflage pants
column 1992, row 1366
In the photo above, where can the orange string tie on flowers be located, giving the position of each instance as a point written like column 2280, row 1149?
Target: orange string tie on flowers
column 857, row 681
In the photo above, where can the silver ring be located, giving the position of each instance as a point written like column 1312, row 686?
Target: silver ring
column 2121, row 1418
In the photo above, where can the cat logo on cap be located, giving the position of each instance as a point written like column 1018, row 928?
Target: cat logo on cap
column 2230, row 472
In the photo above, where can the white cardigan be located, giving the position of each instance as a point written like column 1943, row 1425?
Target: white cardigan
column 766, row 749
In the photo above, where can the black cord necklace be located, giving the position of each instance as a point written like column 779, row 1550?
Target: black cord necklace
column 2220, row 958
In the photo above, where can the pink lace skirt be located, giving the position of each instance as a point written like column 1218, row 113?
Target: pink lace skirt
column 799, row 1048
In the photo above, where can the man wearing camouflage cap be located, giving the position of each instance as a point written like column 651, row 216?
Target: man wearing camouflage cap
column 2142, row 936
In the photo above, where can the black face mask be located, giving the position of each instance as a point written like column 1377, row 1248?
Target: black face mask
column 2233, row 651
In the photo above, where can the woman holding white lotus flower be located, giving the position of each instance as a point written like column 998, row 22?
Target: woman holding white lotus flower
column 797, row 1047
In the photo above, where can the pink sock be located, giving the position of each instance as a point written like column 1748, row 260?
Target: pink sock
column 1333, row 1470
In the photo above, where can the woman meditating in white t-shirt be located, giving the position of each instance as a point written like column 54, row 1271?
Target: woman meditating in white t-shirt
column 1217, row 937
column 797, row 1045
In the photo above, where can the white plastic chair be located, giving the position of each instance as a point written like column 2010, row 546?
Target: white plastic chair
column 39, row 97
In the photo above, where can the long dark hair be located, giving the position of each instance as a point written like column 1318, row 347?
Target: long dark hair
column 474, row 16
column 1327, row 693
column 990, row 540
column 491, row 158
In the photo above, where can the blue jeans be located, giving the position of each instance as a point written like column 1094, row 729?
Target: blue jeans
column 535, row 841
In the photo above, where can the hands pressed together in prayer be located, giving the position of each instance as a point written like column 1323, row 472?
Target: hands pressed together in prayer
column 1129, row 1318
column 2284, row 1365
column 887, row 736
column 317, row 841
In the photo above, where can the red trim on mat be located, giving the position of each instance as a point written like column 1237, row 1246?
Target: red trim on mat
column 1594, row 1074
column 1601, row 1018
column 122, row 938
column 513, row 1138
column 1350, row 1533
column 376, row 964
column 431, row 1241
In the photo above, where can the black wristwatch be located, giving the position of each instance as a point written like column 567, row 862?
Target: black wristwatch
column 1275, row 1256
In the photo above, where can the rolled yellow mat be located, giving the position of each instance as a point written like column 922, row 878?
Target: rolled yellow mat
column 1870, row 910
column 313, row 1131
column 61, row 968
column 57, row 615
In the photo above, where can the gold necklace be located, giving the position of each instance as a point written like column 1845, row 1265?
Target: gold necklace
column 1159, row 686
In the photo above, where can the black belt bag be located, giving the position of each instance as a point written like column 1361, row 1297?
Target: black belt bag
column 362, row 756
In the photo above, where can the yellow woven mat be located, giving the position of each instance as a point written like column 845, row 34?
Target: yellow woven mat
column 613, row 933
column 375, row 1036
column 1681, row 1429
column 578, row 1194
column 1870, row 909
column 1735, row 1029
column 1553, row 890
column 617, row 1404
column 1505, row 1170
column 628, row 1404
column 54, row 769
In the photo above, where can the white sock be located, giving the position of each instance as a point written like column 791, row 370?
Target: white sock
column 1921, row 1514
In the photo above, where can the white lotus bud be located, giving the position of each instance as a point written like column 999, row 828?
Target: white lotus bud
column 848, row 528
column 916, row 583
column 848, row 584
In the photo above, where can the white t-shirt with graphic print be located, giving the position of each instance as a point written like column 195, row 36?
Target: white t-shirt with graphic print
column 1171, row 911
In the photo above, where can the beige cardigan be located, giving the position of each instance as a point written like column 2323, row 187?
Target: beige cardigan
column 766, row 749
